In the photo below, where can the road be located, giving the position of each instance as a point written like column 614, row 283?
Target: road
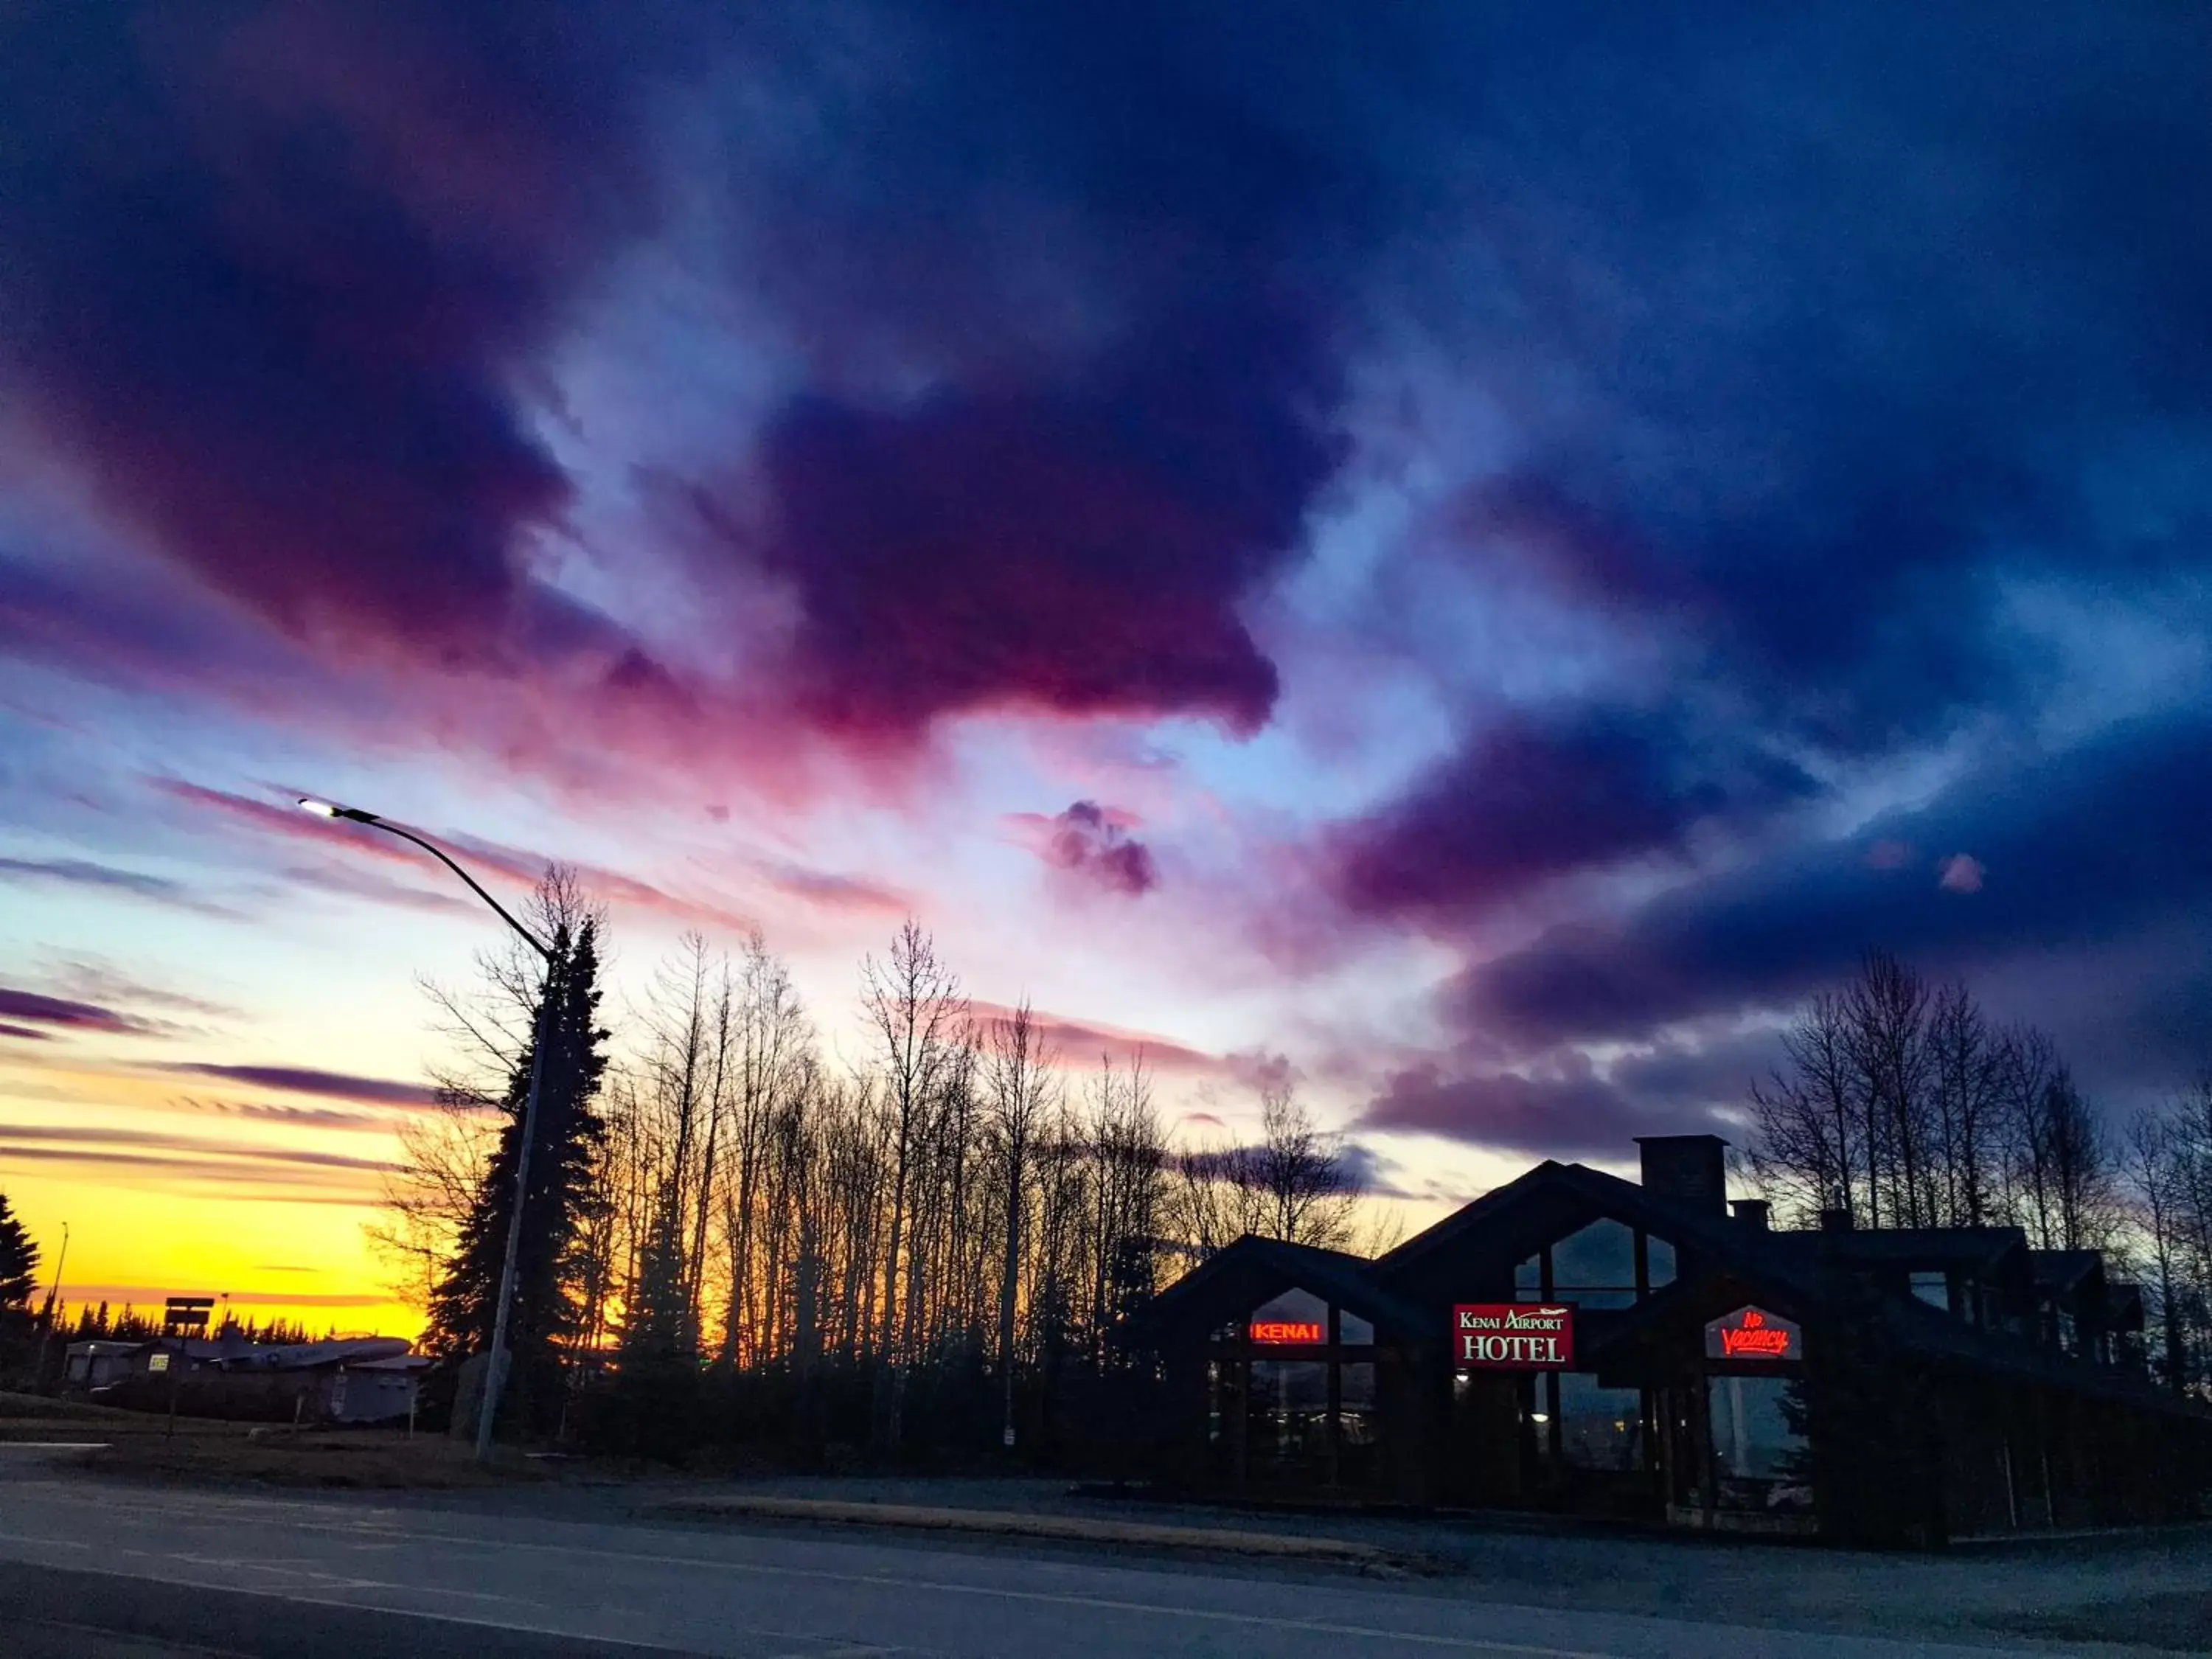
column 94, row 1570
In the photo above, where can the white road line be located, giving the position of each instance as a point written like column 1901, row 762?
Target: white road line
column 169, row 1643
column 404, row 1613
column 568, row 1633
column 1101, row 1603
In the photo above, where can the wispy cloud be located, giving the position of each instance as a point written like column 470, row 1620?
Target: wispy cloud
column 368, row 884
column 66, row 1014
column 1081, row 1042
column 24, row 1135
column 517, row 867
column 239, row 1179
column 107, row 878
column 832, row 891
column 306, row 1117
column 95, row 981
column 311, row 1080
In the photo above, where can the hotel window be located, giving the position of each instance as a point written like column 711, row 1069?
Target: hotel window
column 1528, row 1278
column 1759, row 1442
column 1288, row 1436
column 1356, row 1415
column 1353, row 1330
column 1598, row 1428
column 1294, row 1308
column 1934, row 1289
column 1595, row 1267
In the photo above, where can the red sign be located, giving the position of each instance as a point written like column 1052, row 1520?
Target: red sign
column 1514, row 1336
column 1288, row 1330
column 1754, row 1333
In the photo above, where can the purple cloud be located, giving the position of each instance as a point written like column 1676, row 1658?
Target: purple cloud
column 308, row 1080
column 1094, row 843
column 63, row 1014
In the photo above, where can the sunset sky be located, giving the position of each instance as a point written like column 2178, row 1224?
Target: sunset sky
column 1471, row 555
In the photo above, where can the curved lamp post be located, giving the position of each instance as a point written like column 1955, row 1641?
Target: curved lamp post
column 496, row 1363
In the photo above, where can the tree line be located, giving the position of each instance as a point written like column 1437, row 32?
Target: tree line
column 733, row 1230
column 1901, row 1103
column 96, row 1321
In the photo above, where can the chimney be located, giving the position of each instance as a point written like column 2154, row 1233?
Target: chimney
column 1752, row 1212
column 1690, row 1170
column 1836, row 1221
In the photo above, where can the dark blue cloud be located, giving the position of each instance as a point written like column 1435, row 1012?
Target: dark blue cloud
column 271, row 275
column 1542, row 794
column 2076, row 849
column 1822, row 338
column 1080, row 548
column 1075, row 286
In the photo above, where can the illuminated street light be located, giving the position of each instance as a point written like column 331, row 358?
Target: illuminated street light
column 495, row 1364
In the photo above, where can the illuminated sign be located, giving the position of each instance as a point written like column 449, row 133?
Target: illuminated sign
column 1754, row 1333
column 1288, row 1330
column 1513, row 1336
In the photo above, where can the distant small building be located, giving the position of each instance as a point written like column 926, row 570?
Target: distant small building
column 348, row 1380
column 98, row 1364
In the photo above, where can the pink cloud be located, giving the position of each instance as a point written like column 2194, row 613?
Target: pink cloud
column 829, row 890
column 1962, row 873
column 1081, row 1042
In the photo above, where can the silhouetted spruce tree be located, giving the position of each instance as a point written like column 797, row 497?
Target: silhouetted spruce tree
column 557, row 1208
column 657, row 1375
column 19, row 1262
column 19, row 1277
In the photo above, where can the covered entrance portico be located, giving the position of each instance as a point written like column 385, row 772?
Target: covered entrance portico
column 1293, row 1363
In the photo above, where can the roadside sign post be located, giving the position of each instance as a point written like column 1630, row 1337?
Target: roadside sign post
column 182, row 1314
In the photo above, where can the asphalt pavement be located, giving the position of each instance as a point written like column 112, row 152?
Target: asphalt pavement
column 98, row 1570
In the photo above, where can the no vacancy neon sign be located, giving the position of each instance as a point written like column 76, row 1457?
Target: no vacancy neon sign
column 1754, row 1333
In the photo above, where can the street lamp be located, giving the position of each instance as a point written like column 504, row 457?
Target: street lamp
column 495, row 1364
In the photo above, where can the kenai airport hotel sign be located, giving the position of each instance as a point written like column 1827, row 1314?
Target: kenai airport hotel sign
column 1514, row 1336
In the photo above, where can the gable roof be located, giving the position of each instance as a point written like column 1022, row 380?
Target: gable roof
column 2065, row 1270
column 1624, row 1200
column 1336, row 1276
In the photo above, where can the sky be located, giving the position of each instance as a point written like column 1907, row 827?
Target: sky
column 1470, row 556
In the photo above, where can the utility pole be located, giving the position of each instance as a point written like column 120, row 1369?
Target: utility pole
column 46, row 1317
